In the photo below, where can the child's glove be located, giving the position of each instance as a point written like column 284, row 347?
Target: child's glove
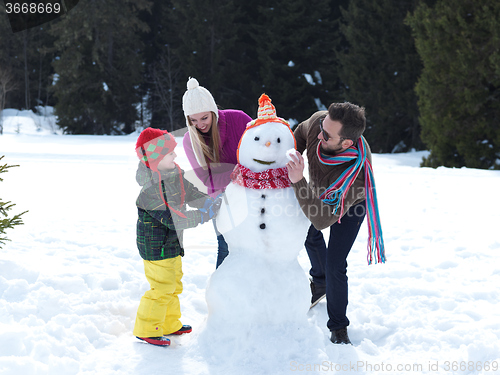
column 208, row 202
column 210, row 208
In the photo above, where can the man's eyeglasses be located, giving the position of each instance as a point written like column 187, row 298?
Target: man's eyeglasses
column 326, row 137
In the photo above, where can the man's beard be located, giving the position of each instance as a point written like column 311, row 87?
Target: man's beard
column 335, row 150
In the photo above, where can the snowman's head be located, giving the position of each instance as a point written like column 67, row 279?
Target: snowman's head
column 264, row 146
column 266, row 139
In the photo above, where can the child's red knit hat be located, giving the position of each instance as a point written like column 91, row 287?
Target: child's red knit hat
column 152, row 145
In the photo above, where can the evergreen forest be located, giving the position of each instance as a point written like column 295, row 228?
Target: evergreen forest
column 426, row 71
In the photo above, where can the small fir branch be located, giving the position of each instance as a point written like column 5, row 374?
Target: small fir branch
column 6, row 222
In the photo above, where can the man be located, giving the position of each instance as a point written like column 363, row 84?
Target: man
column 340, row 193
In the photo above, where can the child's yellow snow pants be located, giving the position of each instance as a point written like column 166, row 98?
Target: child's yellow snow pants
column 159, row 310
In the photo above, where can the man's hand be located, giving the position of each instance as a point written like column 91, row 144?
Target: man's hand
column 295, row 167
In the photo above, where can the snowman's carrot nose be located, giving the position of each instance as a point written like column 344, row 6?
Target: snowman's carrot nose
column 268, row 144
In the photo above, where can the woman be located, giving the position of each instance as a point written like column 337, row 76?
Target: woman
column 211, row 143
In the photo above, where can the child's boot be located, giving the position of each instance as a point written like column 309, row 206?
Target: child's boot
column 184, row 329
column 158, row 341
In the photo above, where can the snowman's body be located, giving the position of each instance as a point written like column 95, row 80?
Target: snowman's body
column 260, row 288
column 265, row 223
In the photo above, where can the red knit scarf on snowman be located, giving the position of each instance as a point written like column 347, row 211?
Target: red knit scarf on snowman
column 276, row 178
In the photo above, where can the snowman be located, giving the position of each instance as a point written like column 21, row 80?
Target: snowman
column 260, row 293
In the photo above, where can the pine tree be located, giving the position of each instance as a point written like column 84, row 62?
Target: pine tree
column 5, row 221
column 379, row 69
column 26, row 55
column 294, row 42
column 164, row 80
column 41, row 67
column 238, row 50
column 334, row 88
column 208, row 40
column 7, row 84
column 99, row 68
column 459, row 89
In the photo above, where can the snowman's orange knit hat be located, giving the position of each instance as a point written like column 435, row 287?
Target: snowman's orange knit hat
column 266, row 113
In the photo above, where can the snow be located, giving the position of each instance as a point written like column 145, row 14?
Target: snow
column 71, row 278
column 319, row 105
column 309, row 79
column 291, row 152
column 27, row 122
column 318, row 77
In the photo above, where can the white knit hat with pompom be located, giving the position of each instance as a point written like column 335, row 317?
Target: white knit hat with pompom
column 197, row 99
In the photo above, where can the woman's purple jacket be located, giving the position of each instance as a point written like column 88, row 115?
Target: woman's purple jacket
column 232, row 123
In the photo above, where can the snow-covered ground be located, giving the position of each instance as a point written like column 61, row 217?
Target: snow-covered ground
column 71, row 278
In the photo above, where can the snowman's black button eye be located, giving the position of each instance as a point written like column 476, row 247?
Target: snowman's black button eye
column 279, row 140
column 256, row 138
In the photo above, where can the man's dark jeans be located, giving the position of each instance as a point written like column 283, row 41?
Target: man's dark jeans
column 329, row 264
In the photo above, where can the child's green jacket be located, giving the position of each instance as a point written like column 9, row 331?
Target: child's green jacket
column 159, row 231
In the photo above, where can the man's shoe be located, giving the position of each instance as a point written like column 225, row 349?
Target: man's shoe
column 183, row 330
column 318, row 293
column 158, row 341
column 339, row 336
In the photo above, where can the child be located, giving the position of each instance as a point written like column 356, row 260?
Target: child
column 162, row 218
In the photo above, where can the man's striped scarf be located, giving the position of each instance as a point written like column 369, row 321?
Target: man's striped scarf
column 336, row 193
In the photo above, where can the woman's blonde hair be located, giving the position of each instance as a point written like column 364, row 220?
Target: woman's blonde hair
column 205, row 153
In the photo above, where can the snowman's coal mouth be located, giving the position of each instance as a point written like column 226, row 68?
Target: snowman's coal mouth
column 264, row 162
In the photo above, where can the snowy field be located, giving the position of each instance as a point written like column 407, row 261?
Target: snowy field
column 71, row 278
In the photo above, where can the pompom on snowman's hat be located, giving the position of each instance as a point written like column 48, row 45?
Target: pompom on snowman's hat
column 266, row 113
column 197, row 99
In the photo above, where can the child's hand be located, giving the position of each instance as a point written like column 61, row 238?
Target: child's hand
column 212, row 209
column 217, row 203
column 208, row 202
